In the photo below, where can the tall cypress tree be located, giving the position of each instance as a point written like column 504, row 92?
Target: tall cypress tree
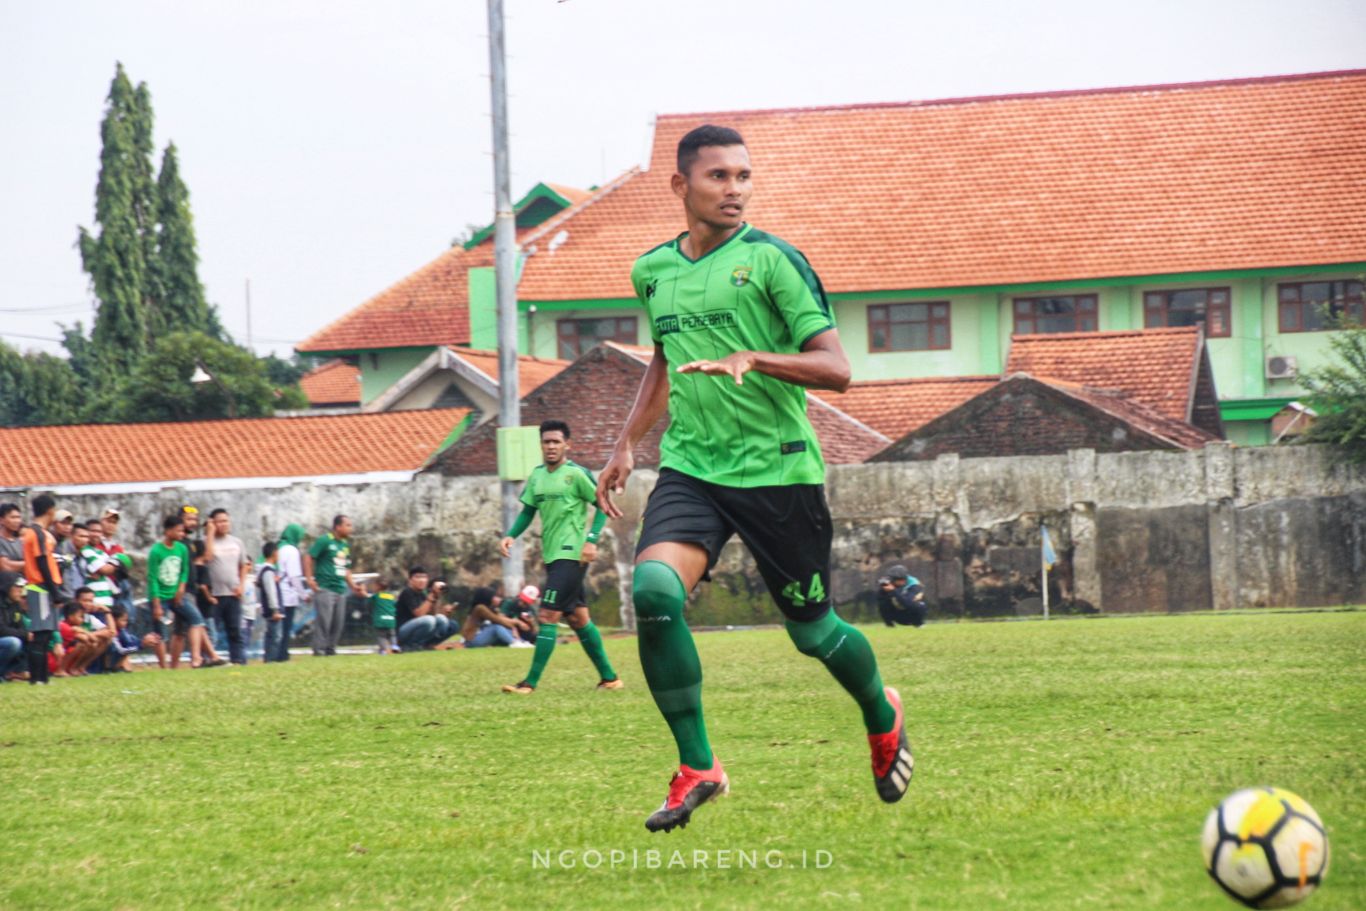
column 182, row 304
column 145, row 210
column 116, row 258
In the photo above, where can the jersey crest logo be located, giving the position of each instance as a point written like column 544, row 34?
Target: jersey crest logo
column 650, row 287
column 740, row 277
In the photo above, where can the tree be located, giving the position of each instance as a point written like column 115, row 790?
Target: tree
column 37, row 388
column 1338, row 392
column 181, row 305
column 159, row 389
column 116, row 257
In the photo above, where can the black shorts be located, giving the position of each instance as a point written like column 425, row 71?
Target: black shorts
column 563, row 585
column 787, row 529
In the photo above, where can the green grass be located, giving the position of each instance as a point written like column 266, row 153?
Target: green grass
column 1060, row 765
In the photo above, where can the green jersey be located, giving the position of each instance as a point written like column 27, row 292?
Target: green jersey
column 561, row 497
column 382, row 608
column 752, row 293
column 168, row 568
column 331, row 561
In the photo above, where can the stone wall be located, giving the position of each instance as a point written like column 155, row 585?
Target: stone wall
column 1218, row 528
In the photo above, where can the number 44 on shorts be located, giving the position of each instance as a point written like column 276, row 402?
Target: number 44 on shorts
column 815, row 593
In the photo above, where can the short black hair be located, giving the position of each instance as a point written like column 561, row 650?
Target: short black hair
column 338, row 519
column 7, row 508
column 414, row 570
column 116, row 612
column 172, row 521
column 268, row 549
column 552, row 425
column 43, row 504
column 71, row 609
column 701, row 137
column 220, row 511
column 84, row 589
column 90, row 523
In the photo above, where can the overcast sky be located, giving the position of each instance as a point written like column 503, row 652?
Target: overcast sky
column 333, row 146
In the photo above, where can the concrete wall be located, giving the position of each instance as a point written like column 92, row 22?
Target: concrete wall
column 1217, row 529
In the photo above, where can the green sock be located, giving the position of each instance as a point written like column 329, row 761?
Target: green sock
column 591, row 640
column 845, row 652
column 545, row 644
column 669, row 659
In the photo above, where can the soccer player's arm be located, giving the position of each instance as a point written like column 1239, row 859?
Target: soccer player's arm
column 797, row 295
column 651, row 404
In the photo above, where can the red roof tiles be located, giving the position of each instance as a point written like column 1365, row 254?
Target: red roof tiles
column 1155, row 367
column 333, row 383
column 303, row 447
column 1027, row 188
column 531, row 372
column 896, row 407
column 427, row 308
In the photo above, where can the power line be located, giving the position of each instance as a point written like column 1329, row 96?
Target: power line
column 38, row 338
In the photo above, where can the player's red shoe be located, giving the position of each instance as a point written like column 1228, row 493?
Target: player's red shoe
column 893, row 763
column 688, row 790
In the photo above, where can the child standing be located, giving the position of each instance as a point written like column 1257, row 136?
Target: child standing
column 271, row 598
column 382, row 610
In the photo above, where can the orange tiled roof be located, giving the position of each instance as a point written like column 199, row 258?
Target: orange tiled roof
column 333, row 383
column 1155, row 367
column 531, row 371
column 428, row 307
column 1134, row 413
column 896, row 407
column 241, row 448
column 1248, row 173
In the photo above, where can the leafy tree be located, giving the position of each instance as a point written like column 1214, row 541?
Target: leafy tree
column 37, row 388
column 116, row 257
column 181, row 304
column 1338, row 392
column 159, row 388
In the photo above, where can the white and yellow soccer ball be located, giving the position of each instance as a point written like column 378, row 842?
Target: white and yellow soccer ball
column 1266, row 847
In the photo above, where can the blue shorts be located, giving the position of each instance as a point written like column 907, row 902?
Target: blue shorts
column 187, row 613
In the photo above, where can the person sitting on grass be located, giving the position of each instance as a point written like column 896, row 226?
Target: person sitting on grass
column 422, row 618
column 13, row 632
column 99, row 621
column 124, row 645
column 82, row 646
column 485, row 626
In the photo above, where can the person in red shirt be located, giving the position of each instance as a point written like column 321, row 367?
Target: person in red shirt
column 82, row 646
column 44, row 577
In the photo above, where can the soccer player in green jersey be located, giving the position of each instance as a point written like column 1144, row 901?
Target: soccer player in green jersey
column 741, row 328
column 561, row 492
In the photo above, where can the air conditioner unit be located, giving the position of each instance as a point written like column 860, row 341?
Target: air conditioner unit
column 1281, row 367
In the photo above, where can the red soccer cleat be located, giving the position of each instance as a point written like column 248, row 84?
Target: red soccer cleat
column 893, row 763
column 688, row 790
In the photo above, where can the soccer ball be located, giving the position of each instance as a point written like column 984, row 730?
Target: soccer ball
column 1266, row 847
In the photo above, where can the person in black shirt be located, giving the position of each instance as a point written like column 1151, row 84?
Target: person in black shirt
column 423, row 620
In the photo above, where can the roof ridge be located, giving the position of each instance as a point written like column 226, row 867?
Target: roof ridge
column 493, row 352
column 238, row 420
column 1108, row 333
column 1027, row 96
column 560, row 218
column 812, row 397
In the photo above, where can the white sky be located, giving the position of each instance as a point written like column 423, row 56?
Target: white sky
column 333, row 146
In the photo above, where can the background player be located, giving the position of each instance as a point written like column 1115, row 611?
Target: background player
column 561, row 492
column 743, row 320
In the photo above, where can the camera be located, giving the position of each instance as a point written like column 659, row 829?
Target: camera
column 884, row 580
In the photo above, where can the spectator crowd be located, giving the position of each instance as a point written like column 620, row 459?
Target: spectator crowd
column 70, row 605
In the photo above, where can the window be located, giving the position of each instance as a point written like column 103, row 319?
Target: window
column 1302, row 304
column 1076, row 313
column 908, row 327
column 1191, row 307
column 578, row 336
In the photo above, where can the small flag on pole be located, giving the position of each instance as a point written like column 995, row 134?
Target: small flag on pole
column 1050, row 556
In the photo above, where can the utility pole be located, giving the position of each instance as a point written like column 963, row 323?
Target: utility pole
column 505, row 278
column 249, row 346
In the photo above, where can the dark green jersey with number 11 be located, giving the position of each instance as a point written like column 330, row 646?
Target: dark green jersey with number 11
column 752, row 293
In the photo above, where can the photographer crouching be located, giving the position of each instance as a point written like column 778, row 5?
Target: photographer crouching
column 901, row 598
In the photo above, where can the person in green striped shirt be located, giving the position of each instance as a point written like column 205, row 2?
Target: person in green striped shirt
column 742, row 328
column 561, row 491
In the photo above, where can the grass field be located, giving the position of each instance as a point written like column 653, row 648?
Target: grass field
column 1059, row 765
